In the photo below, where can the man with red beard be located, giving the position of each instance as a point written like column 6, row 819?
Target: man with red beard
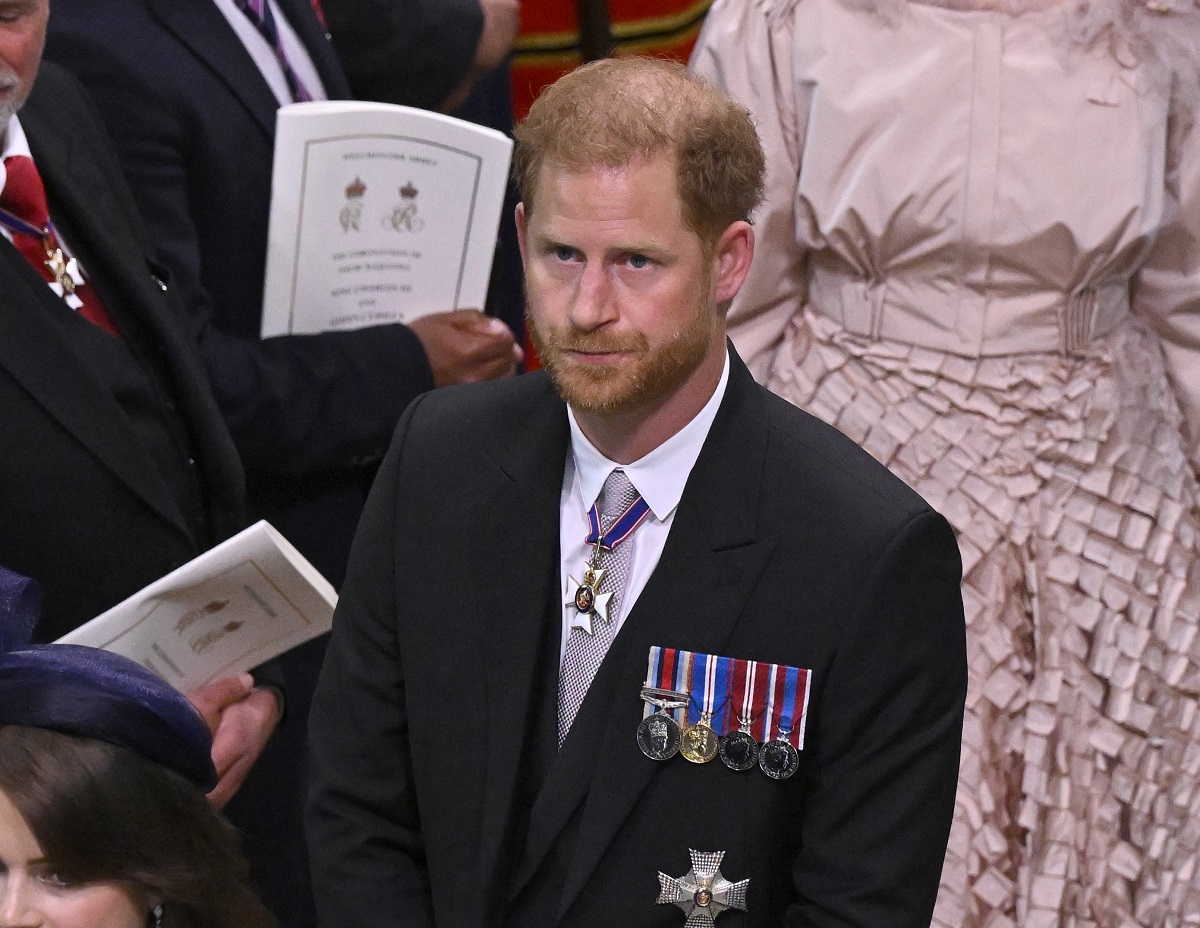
column 630, row 641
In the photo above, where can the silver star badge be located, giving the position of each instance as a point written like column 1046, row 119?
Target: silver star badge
column 703, row 893
column 598, row 603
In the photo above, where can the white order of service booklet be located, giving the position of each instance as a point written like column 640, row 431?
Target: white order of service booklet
column 379, row 213
column 251, row 598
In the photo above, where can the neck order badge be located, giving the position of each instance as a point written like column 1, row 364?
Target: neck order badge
column 618, row 512
column 25, row 213
column 588, row 600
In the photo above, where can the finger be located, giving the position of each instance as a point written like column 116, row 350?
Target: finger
column 487, row 326
column 212, row 698
column 468, row 319
column 228, row 785
column 244, row 731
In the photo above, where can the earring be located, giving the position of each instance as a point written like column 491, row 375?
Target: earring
column 156, row 917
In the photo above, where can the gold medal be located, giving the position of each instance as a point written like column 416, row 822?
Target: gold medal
column 699, row 742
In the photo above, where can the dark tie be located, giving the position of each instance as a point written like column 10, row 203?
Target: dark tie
column 259, row 13
column 584, row 652
column 24, row 213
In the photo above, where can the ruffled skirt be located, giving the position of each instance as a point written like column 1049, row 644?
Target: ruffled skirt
column 1076, row 511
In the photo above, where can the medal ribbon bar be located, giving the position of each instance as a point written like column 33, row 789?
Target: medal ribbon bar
column 789, row 704
column 772, row 697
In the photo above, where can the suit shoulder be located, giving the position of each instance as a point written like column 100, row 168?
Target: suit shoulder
column 827, row 456
column 60, row 106
column 493, row 397
column 477, row 413
column 55, row 92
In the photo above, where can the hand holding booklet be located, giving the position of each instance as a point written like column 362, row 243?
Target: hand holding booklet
column 239, row 604
column 379, row 214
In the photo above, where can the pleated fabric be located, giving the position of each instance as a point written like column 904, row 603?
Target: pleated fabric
column 1068, row 484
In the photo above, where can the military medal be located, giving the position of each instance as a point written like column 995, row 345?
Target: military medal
column 658, row 735
column 703, row 892
column 779, row 758
column 739, row 750
column 710, row 679
column 700, row 744
column 771, row 702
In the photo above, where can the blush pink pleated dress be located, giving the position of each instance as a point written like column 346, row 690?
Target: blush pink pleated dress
column 979, row 257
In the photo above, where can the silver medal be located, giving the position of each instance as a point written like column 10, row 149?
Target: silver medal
column 777, row 758
column 739, row 750
column 658, row 735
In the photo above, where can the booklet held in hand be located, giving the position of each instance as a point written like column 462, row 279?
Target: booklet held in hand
column 379, row 214
column 235, row 606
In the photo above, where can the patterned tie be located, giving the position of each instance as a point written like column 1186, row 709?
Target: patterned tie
column 259, row 13
column 585, row 652
column 23, row 211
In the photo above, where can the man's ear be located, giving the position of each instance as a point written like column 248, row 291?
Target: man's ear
column 731, row 260
column 519, row 216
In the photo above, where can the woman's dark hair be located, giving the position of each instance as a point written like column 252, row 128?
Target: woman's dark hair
column 101, row 812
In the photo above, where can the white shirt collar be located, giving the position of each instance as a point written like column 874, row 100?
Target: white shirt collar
column 15, row 143
column 660, row 475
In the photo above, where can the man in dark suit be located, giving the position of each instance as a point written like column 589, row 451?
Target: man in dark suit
column 495, row 727
column 116, row 466
column 189, row 90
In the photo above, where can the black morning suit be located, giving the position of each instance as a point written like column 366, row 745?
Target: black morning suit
column 439, row 797
column 115, row 466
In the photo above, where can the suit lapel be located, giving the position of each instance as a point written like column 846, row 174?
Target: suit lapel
column 35, row 349
column 201, row 27
column 711, row 561
column 515, row 541
column 299, row 14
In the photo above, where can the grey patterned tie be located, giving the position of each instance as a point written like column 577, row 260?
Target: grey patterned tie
column 585, row 652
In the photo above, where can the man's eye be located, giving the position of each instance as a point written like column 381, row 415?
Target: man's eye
column 13, row 12
column 563, row 253
column 639, row 261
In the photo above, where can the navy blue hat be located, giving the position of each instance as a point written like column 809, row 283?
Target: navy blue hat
column 85, row 691
column 20, row 603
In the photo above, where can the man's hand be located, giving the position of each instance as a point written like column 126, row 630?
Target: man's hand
column 465, row 346
column 241, row 719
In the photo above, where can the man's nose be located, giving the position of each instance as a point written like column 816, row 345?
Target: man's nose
column 594, row 304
